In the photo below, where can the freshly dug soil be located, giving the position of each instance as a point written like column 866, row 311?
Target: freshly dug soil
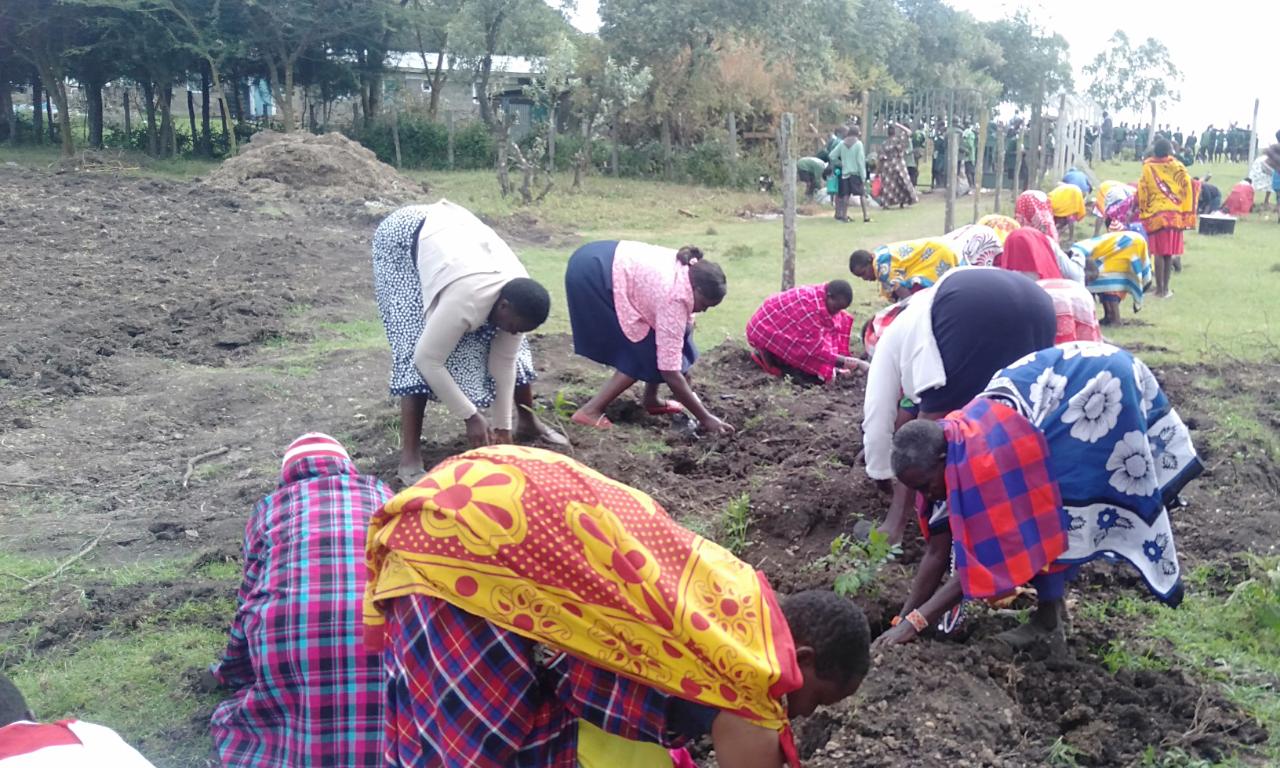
column 330, row 165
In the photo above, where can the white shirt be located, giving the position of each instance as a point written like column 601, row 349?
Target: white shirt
column 906, row 363
column 65, row 744
column 463, row 265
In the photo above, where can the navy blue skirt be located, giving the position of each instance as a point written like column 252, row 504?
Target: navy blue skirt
column 597, row 334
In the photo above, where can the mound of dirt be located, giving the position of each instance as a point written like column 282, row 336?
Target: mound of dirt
column 328, row 165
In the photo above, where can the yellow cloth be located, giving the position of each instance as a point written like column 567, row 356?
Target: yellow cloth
column 1165, row 196
column 552, row 550
column 1067, row 202
column 1100, row 195
column 914, row 264
column 598, row 749
column 1123, row 263
column 1003, row 225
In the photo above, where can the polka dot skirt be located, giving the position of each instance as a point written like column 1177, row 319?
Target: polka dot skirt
column 399, row 293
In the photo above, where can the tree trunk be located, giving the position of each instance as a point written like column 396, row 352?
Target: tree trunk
column 6, row 113
column 551, row 135
column 149, row 97
column 1016, row 189
column 128, row 121
column 502, row 131
column 232, row 146
column 486, row 65
column 286, row 110
column 37, row 108
column 437, row 79
column 395, row 132
column 273, row 83
column 93, row 101
column 48, row 113
column 191, row 117
column 1037, row 139
column 584, row 153
column 1001, row 143
column 59, row 94
column 614, row 137
column 166, row 122
column 665, row 130
column 206, row 132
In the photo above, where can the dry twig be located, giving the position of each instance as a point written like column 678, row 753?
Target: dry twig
column 8, row 484
column 194, row 460
column 56, row 572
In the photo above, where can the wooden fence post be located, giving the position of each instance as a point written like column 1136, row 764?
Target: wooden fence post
column 984, row 120
column 785, row 130
column 1001, row 148
column 953, row 156
column 448, row 120
column 1253, row 135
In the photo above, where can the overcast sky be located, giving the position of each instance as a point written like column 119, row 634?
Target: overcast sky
column 1211, row 50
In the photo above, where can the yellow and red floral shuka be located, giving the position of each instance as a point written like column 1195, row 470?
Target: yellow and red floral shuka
column 543, row 546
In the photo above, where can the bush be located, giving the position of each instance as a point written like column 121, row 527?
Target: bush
column 425, row 144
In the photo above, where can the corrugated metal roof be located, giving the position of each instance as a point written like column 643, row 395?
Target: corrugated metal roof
column 408, row 61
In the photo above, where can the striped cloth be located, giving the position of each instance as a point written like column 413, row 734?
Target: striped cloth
column 306, row 692
column 1004, row 507
column 796, row 327
column 1074, row 307
column 464, row 693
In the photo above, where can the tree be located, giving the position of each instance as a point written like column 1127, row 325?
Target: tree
column 1125, row 77
column 43, row 34
column 483, row 29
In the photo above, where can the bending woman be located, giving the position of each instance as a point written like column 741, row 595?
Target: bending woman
column 1115, row 264
column 804, row 333
column 906, row 267
column 456, row 303
column 631, row 307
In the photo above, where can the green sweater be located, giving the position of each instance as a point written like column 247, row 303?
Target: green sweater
column 852, row 160
column 813, row 165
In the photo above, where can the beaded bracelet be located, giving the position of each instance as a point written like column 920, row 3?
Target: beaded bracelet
column 917, row 620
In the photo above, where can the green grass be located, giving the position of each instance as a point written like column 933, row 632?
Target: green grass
column 135, row 683
column 735, row 523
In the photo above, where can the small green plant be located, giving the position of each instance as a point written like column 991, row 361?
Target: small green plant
column 734, row 523
column 1119, row 655
column 564, row 407
column 1062, row 755
column 1174, row 758
column 858, row 562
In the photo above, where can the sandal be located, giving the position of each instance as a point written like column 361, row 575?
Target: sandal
column 600, row 423
column 670, row 408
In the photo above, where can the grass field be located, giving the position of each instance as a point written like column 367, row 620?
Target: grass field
column 1224, row 310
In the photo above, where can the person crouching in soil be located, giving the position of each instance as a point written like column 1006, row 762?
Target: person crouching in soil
column 1071, row 454
column 533, row 612
column 456, row 303
column 804, row 332
column 905, row 267
column 631, row 307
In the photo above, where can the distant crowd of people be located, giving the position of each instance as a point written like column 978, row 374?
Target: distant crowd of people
column 1213, row 145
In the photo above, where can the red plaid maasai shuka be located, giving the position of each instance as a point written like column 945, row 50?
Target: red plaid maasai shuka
column 796, row 327
column 1003, row 502
column 464, row 693
column 306, row 689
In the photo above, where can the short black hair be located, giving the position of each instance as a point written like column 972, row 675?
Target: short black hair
column 840, row 289
column 920, row 445
column 708, row 279
column 12, row 706
column 835, row 628
column 859, row 259
column 528, row 298
column 1161, row 147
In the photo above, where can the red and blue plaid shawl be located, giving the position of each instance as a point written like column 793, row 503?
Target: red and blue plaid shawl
column 1005, row 508
column 306, row 690
column 465, row 693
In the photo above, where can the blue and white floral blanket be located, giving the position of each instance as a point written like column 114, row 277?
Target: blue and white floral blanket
column 1119, row 451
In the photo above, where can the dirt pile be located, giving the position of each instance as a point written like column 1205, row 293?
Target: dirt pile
column 329, row 165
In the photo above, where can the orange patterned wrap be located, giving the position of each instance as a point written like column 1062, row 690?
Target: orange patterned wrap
column 540, row 544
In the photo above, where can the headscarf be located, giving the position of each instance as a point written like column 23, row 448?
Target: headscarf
column 977, row 244
column 1033, row 209
column 1002, row 225
column 1029, row 250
